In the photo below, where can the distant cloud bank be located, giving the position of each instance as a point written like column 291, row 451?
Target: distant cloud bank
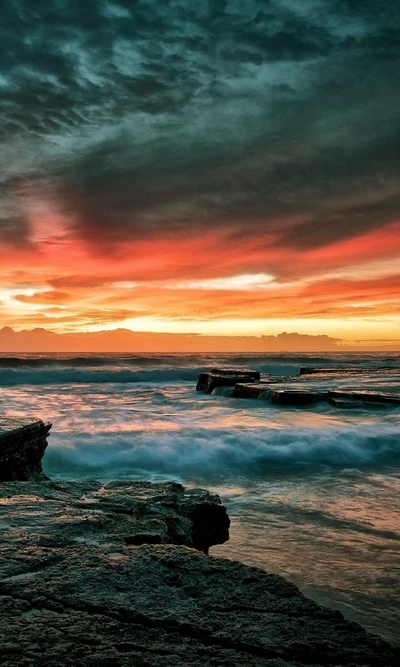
column 121, row 340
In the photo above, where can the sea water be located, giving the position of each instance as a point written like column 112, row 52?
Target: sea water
column 312, row 492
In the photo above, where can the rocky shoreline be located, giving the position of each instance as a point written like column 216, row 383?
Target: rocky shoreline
column 253, row 385
column 118, row 574
column 22, row 446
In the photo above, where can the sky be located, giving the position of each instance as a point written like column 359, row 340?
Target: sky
column 223, row 167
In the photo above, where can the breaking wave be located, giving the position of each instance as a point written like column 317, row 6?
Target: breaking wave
column 216, row 453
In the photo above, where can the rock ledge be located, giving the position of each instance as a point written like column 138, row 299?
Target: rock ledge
column 152, row 606
column 76, row 590
column 22, row 445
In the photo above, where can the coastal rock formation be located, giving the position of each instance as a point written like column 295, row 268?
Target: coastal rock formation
column 219, row 377
column 250, row 390
column 297, row 396
column 245, row 372
column 249, row 385
column 118, row 574
column 116, row 514
column 22, row 445
column 158, row 605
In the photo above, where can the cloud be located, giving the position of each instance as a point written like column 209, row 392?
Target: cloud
column 271, row 120
column 78, row 281
column 43, row 297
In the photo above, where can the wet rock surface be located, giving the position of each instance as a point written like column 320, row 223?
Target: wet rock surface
column 118, row 513
column 164, row 605
column 248, row 390
column 245, row 372
column 266, row 387
column 297, row 396
column 75, row 589
column 22, row 445
column 219, row 377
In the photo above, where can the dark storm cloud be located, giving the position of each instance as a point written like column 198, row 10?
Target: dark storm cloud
column 14, row 228
column 165, row 117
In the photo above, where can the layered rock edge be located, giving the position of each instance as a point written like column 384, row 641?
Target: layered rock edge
column 89, row 577
column 46, row 514
column 157, row 605
column 22, row 446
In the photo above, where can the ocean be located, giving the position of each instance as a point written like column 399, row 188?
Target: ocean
column 313, row 492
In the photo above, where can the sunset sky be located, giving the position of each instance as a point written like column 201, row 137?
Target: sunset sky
column 221, row 167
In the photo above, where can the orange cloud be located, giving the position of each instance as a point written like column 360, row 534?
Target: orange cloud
column 221, row 278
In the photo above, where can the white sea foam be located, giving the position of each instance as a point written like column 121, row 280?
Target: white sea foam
column 223, row 391
column 216, row 453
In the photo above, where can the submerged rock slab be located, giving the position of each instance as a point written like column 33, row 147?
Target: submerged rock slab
column 22, row 445
column 116, row 514
column 339, row 370
column 365, row 396
column 154, row 606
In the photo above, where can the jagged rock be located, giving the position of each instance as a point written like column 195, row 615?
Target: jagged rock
column 116, row 513
column 154, row 606
column 202, row 380
column 22, row 445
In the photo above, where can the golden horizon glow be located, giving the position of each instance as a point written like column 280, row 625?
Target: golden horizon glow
column 203, row 285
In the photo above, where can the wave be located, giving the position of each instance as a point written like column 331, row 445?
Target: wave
column 54, row 376
column 45, row 361
column 197, row 359
column 208, row 454
column 87, row 368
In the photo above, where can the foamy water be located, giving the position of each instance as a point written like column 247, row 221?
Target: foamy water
column 313, row 493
